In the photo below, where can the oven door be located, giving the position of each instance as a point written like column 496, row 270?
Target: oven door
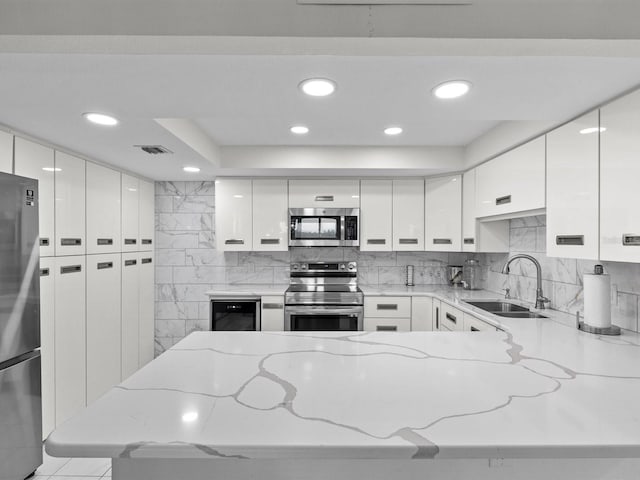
column 316, row 230
column 334, row 318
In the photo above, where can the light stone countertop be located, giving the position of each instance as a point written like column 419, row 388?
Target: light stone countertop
column 540, row 389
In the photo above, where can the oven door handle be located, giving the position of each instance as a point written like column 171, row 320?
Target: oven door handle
column 309, row 310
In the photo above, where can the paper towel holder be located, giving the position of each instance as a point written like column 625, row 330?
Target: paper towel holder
column 612, row 330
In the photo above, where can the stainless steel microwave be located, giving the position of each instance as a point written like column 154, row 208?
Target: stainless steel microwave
column 324, row 227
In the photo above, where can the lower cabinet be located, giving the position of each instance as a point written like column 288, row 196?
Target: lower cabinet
column 272, row 314
column 391, row 314
column 103, row 323
column 146, row 325
column 474, row 324
column 451, row 318
column 390, row 324
column 130, row 314
column 421, row 314
column 47, row 344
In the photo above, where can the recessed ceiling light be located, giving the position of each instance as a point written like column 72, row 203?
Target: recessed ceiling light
column 587, row 131
column 191, row 169
column 101, row 119
column 299, row 129
column 452, row 89
column 318, row 87
column 51, row 169
column 393, row 130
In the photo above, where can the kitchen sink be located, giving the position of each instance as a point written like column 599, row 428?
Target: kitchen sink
column 519, row 314
column 497, row 306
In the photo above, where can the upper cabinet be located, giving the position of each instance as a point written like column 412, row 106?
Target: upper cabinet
column 70, row 210
column 233, row 214
column 572, row 189
column 130, row 197
column 376, row 215
column 513, row 182
column 36, row 161
column 324, row 193
column 443, row 207
column 408, row 214
column 103, row 209
column 619, row 174
column 146, row 215
column 6, row 152
column 269, row 213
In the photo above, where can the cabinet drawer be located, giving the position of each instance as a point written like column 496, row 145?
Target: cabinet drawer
column 473, row 324
column 382, row 324
column 272, row 309
column 387, row 307
column 451, row 317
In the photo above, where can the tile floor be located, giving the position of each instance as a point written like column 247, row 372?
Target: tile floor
column 73, row 468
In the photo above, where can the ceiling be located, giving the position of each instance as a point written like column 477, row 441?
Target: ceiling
column 251, row 100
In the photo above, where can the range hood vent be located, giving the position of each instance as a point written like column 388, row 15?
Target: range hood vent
column 154, row 149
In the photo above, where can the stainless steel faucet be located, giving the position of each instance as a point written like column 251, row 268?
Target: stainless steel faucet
column 540, row 298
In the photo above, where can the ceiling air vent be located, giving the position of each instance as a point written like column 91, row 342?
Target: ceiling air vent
column 154, row 149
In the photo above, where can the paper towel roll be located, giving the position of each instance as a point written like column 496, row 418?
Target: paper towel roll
column 597, row 300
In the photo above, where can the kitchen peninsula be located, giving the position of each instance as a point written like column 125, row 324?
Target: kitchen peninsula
column 537, row 399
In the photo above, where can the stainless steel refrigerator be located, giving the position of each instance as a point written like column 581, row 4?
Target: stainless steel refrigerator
column 20, row 387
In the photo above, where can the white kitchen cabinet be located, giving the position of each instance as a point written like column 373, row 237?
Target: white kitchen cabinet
column 391, row 324
column 490, row 236
column 36, row 161
column 103, row 323
column 234, row 217
column 146, row 288
column 474, row 324
column 376, row 215
column 47, row 344
column 6, row 152
column 451, row 317
column 130, row 200
column 436, row 311
column 408, row 214
column 103, row 209
column 619, row 174
column 421, row 314
column 512, row 183
column 130, row 318
column 573, row 189
column 272, row 313
column 386, row 306
column 70, row 211
column 146, row 215
column 270, row 215
column 70, row 336
column 443, row 209
column 320, row 193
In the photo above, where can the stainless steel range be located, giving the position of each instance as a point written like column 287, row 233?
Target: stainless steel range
column 324, row 296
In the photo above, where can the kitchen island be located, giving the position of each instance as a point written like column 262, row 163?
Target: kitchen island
column 539, row 399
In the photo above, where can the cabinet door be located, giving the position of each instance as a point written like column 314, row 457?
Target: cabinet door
column 421, row 314
column 130, row 208
column 436, row 314
column 130, row 314
column 233, row 215
column 572, row 189
column 387, row 307
column 324, row 193
column 451, row 317
column 392, row 324
column 145, row 309
column 103, row 209
column 47, row 344
column 35, row 161
column 270, row 215
column 103, row 324
column 376, row 215
column 469, row 211
column 408, row 215
column 146, row 215
column 443, row 207
column 619, row 174
column 70, row 336
column 6, row 152
column 272, row 314
column 70, row 205
column 473, row 324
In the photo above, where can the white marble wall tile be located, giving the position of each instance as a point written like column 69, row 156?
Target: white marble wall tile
column 193, row 204
column 534, row 221
column 197, row 326
column 281, row 275
column 176, row 239
column 370, row 259
column 207, row 239
column 568, row 298
column 368, row 275
column 391, row 275
column 164, row 204
column 170, row 328
column 170, row 188
column 184, row 221
column 541, row 239
column 624, row 310
column 200, row 188
column 199, row 275
column 316, row 254
column 164, row 275
column 176, row 310
column 523, row 239
column 271, row 259
column 204, row 310
column 422, row 259
column 249, row 274
column 208, row 256
column 170, row 256
column 182, row 293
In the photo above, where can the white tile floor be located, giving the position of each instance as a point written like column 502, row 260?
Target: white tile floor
column 73, row 468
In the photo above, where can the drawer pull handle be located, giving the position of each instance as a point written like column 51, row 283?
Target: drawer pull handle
column 376, row 241
column 145, row 260
column 71, row 269
column 387, row 306
column 469, row 241
column 69, row 242
column 44, row 242
column 105, row 241
column 452, row 318
column 442, row 241
column 408, row 241
column 128, row 263
column 386, row 328
column 146, row 241
column 437, row 318
column 569, row 239
column 44, row 272
column 474, row 329
column 324, row 198
column 104, row 265
column 503, row 200
column 130, row 241
column 234, row 241
column 270, row 241
column 272, row 306
column 630, row 240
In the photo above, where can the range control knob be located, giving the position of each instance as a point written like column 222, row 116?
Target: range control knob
column 295, row 266
column 343, row 266
column 352, row 265
column 304, row 266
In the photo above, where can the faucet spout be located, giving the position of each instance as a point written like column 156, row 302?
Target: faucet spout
column 540, row 298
